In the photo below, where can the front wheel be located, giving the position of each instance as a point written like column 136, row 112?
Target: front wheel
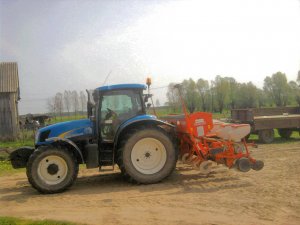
column 51, row 169
column 147, row 156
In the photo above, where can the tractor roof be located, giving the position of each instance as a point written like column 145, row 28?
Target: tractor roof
column 122, row 86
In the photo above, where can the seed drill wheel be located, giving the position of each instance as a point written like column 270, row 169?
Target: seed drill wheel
column 243, row 164
column 185, row 157
column 205, row 167
column 258, row 165
column 266, row 136
column 51, row 169
column 147, row 156
column 285, row 133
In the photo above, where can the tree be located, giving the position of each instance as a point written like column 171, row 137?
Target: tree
column 221, row 89
column 262, row 98
column 83, row 101
column 190, row 94
column 212, row 96
column 157, row 103
column 51, row 106
column 277, row 88
column 232, row 93
column 246, row 95
column 204, row 93
column 68, row 100
column 58, row 101
column 173, row 97
column 75, row 102
column 295, row 91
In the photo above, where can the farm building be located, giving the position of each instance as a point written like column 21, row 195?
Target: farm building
column 9, row 97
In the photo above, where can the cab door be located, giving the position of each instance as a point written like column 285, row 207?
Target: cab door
column 116, row 107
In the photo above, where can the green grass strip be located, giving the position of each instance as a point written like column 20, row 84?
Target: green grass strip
column 7, row 169
column 19, row 221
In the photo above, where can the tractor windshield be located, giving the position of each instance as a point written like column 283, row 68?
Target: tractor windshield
column 116, row 107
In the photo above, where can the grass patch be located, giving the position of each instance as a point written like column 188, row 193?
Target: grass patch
column 59, row 119
column 7, row 169
column 16, row 144
column 19, row 221
column 26, row 138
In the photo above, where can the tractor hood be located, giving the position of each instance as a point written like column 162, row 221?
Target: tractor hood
column 76, row 129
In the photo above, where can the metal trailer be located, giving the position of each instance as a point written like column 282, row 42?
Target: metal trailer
column 263, row 121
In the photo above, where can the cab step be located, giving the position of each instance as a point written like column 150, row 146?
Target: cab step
column 106, row 157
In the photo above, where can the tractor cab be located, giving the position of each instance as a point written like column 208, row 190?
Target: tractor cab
column 116, row 104
column 116, row 108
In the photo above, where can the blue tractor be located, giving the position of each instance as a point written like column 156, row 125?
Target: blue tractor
column 117, row 131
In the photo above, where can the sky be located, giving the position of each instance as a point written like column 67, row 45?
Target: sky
column 73, row 45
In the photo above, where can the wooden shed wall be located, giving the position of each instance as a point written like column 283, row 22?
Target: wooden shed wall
column 9, row 124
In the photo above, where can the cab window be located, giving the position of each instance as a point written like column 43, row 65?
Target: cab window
column 117, row 107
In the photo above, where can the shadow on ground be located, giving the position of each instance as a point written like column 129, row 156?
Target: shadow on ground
column 182, row 180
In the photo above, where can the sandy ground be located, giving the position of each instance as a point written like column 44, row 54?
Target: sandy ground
column 270, row 196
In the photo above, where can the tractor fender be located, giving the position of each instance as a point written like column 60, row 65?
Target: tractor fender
column 20, row 156
column 67, row 142
column 145, row 120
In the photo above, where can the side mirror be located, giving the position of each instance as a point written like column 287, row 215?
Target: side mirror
column 146, row 98
column 148, row 105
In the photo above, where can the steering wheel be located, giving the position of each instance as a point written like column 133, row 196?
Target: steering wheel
column 110, row 113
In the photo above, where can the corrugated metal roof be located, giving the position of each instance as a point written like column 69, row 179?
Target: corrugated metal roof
column 9, row 79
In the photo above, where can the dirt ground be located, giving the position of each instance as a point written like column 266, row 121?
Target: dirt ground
column 270, row 196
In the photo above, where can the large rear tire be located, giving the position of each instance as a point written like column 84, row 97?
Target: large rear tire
column 52, row 170
column 147, row 156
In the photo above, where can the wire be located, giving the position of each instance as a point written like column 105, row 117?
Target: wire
column 153, row 88
column 106, row 78
column 33, row 99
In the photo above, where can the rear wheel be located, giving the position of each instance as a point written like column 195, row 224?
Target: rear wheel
column 51, row 169
column 285, row 133
column 266, row 136
column 147, row 156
